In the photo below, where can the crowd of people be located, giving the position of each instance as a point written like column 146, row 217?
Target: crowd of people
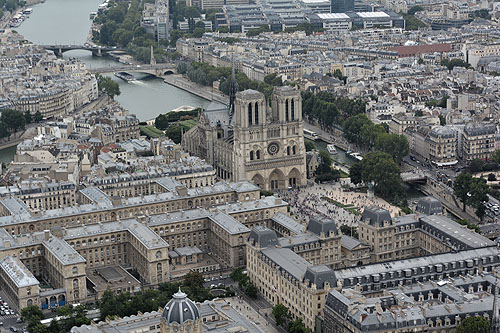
column 311, row 201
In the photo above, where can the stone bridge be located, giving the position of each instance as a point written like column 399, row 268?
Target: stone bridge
column 414, row 177
column 96, row 50
column 158, row 70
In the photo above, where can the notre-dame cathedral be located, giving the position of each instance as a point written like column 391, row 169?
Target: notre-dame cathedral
column 252, row 140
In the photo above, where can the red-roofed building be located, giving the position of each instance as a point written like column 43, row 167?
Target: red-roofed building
column 411, row 51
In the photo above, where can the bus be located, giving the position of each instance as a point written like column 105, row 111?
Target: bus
column 310, row 135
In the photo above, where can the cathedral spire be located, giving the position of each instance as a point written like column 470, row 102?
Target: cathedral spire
column 233, row 88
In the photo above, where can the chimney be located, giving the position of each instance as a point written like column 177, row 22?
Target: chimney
column 46, row 234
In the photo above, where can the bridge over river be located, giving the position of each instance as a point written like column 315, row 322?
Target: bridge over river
column 158, row 70
column 96, row 50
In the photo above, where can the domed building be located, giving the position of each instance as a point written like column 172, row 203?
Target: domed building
column 181, row 315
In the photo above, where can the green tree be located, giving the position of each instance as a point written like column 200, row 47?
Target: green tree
column 32, row 315
column 415, row 9
column 175, row 132
column 495, row 157
column 108, row 86
column 461, row 187
column 475, row 324
column 476, row 165
column 4, row 130
column 38, row 117
column 393, row 144
column 297, row 326
column 309, row 145
column 280, row 313
column 355, row 173
column 31, row 312
column 450, row 64
column 251, row 290
column 479, row 190
column 27, row 117
column 13, row 119
column 161, row 122
column 442, row 120
column 194, row 280
column 380, row 168
column 40, row 328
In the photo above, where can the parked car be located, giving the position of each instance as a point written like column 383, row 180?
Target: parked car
column 13, row 329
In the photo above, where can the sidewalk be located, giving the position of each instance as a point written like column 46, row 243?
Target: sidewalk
column 247, row 311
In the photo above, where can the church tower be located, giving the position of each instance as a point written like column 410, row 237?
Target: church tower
column 268, row 140
column 233, row 89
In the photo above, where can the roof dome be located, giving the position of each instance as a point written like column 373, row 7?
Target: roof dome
column 180, row 309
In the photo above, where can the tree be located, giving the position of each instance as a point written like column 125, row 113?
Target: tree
column 476, row 165
column 492, row 177
column 27, row 117
column 309, row 145
column 415, row 9
column 380, row 168
column 32, row 315
column 478, row 194
column 174, row 132
column 450, row 64
column 108, row 86
column 161, row 122
column 393, row 144
column 280, row 313
column 297, row 326
column 4, row 130
column 38, row 117
column 442, row 120
column 251, row 290
column 194, row 280
column 461, row 187
column 355, row 173
column 475, row 324
column 31, row 312
column 13, row 119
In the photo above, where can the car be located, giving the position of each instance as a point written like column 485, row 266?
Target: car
column 19, row 320
column 2, row 313
column 13, row 329
column 1, row 323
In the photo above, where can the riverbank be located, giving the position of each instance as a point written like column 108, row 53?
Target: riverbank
column 4, row 21
column 205, row 92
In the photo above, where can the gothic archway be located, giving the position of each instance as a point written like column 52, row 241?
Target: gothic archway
column 258, row 180
column 276, row 180
column 294, row 178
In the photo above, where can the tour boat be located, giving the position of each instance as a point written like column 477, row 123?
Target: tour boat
column 331, row 149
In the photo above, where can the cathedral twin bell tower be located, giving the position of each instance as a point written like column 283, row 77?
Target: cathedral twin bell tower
column 268, row 139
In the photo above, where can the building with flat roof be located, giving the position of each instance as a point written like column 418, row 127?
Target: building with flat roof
column 342, row 6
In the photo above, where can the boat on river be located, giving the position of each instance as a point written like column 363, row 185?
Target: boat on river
column 331, row 149
column 125, row 76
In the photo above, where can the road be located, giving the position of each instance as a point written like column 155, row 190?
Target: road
column 208, row 93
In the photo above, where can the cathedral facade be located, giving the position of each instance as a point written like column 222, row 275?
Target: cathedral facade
column 252, row 140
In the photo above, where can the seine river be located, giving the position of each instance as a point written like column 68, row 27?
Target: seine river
column 67, row 22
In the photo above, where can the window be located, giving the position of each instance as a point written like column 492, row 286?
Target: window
column 292, row 110
column 74, row 270
column 249, row 113
column 286, row 110
column 251, row 155
column 258, row 154
column 256, row 113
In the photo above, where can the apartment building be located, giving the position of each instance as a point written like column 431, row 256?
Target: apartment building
column 284, row 277
column 478, row 141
